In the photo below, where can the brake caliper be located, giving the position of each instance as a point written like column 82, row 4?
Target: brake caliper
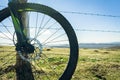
column 25, row 48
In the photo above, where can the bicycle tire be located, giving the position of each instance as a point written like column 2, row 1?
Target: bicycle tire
column 4, row 13
column 67, row 74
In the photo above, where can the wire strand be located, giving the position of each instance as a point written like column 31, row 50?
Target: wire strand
column 90, row 30
column 91, row 14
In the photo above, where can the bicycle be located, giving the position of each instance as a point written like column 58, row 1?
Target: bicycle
column 43, row 49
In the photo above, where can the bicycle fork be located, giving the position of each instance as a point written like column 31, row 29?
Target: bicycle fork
column 21, row 29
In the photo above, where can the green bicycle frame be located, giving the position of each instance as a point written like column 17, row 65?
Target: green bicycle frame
column 20, row 22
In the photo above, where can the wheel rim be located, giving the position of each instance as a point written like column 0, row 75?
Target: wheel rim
column 53, row 40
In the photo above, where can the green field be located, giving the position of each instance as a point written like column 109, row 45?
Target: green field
column 98, row 64
column 93, row 64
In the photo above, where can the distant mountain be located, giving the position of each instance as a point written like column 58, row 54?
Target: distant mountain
column 90, row 45
column 99, row 45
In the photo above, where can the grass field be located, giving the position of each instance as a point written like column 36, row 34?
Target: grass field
column 93, row 64
column 98, row 64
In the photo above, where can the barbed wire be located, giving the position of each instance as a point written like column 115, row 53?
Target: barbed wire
column 85, row 13
column 90, row 30
column 78, row 29
column 91, row 14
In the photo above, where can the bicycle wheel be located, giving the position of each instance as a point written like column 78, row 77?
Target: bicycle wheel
column 53, row 38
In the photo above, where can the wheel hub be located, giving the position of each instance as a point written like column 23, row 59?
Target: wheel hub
column 33, row 50
column 25, row 48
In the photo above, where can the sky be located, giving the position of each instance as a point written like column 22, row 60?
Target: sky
column 94, row 21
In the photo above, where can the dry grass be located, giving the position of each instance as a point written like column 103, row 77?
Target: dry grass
column 98, row 64
column 93, row 64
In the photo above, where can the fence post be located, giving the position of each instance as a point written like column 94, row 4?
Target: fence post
column 23, row 68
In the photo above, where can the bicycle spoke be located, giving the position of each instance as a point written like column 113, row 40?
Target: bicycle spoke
column 51, row 35
column 45, row 29
column 39, row 70
column 39, row 29
column 5, row 38
column 7, row 29
column 52, row 41
column 36, row 24
column 60, row 41
column 6, row 35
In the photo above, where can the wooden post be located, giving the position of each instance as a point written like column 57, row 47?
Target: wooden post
column 23, row 68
